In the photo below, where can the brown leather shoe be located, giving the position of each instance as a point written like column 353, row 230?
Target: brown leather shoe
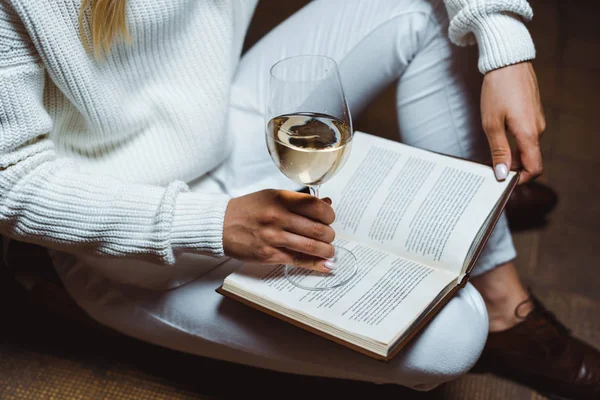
column 541, row 353
column 529, row 205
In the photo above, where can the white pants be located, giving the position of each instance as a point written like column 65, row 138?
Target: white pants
column 375, row 43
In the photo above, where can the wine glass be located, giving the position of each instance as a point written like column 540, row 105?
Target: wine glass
column 309, row 136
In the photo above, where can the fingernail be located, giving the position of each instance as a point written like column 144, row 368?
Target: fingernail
column 501, row 171
column 330, row 265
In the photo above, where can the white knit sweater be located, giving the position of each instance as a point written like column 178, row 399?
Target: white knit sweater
column 94, row 155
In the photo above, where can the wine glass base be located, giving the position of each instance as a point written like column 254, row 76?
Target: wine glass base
column 346, row 269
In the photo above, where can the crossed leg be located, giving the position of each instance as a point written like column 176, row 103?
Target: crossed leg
column 375, row 43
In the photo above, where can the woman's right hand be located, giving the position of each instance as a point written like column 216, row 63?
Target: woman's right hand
column 280, row 227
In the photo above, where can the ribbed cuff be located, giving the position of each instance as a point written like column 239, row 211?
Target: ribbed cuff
column 503, row 40
column 198, row 223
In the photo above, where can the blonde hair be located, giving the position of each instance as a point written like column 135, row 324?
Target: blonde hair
column 107, row 23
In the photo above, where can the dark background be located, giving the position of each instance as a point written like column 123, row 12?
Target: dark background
column 48, row 351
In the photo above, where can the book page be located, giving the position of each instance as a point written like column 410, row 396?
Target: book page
column 417, row 204
column 379, row 303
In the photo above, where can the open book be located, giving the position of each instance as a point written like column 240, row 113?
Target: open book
column 415, row 220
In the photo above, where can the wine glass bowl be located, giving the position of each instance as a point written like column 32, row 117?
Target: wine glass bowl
column 309, row 148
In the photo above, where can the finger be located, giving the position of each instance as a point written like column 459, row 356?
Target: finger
column 309, row 228
column 273, row 256
column 305, row 261
column 516, row 159
column 500, row 148
column 531, row 158
column 313, row 208
column 308, row 246
column 327, row 200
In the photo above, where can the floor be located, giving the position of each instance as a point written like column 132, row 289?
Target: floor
column 45, row 357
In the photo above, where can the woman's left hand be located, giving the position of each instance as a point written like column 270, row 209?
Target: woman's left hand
column 510, row 103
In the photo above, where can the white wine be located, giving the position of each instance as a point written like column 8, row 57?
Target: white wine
column 308, row 148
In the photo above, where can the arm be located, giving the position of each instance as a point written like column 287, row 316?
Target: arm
column 510, row 99
column 45, row 200
column 497, row 28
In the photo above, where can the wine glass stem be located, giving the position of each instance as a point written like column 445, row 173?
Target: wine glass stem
column 314, row 190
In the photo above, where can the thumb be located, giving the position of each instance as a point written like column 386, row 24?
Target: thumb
column 500, row 149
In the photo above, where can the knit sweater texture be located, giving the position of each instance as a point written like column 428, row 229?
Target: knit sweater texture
column 96, row 156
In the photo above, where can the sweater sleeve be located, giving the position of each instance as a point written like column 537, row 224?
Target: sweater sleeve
column 44, row 199
column 497, row 26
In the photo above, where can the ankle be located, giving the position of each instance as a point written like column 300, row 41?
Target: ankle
column 503, row 293
column 504, row 315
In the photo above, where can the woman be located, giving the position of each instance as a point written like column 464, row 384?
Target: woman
column 123, row 142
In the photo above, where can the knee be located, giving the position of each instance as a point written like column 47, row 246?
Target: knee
column 452, row 342
column 464, row 332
